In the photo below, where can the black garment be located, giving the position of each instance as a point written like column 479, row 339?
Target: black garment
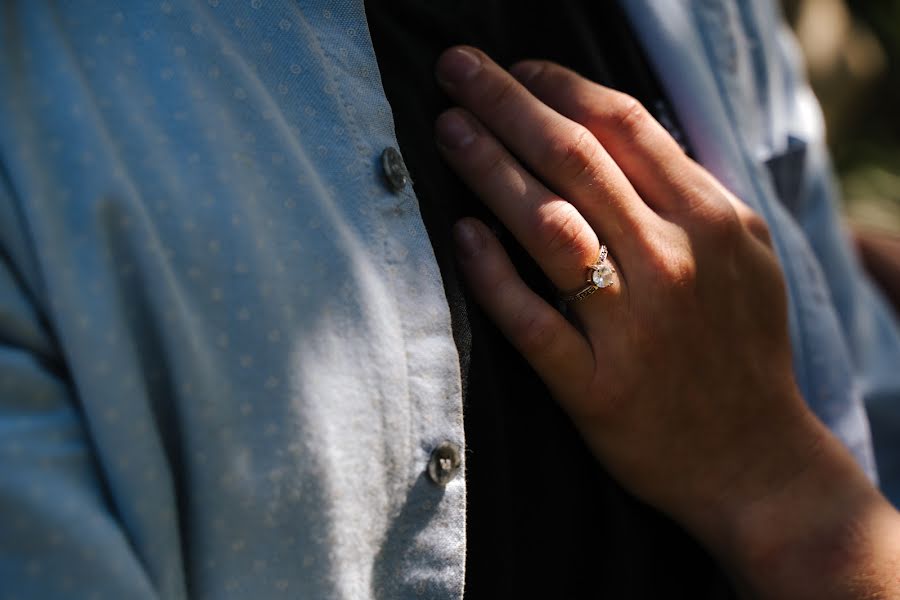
column 544, row 518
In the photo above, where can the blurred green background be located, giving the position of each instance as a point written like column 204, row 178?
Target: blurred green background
column 852, row 53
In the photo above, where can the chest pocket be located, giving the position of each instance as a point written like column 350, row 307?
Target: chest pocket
column 787, row 172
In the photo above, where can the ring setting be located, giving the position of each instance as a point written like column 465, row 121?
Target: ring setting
column 601, row 275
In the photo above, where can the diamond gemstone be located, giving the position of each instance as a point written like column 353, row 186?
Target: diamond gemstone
column 603, row 276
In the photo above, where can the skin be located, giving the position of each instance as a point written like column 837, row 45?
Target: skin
column 880, row 253
column 718, row 437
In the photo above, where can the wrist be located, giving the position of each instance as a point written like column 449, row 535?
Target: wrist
column 825, row 533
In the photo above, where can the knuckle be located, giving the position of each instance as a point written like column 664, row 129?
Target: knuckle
column 533, row 72
column 627, row 114
column 500, row 95
column 575, row 154
column 676, row 270
column 757, row 226
column 724, row 226
column 493, row 163
column 537, row 333
column 714, row 219
column 563, row 231
column 495, row 285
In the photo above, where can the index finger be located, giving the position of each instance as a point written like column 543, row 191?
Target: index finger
column 661, row 171
column 562, row 152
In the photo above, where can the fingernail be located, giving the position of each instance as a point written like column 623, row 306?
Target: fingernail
column 525, row 71
column 454, row 131
column 457, row 65
column 469, row 241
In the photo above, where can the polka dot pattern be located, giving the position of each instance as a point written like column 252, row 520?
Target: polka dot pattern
column 234, row 353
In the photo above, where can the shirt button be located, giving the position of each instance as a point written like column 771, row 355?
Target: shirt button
column 394, row 170
column 444, row 463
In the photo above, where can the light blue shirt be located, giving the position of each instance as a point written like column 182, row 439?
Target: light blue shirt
column 226, row 352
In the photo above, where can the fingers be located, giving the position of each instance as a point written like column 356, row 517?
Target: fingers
column 506, row 122
column 549, row 228
column 664, row 176
column 558, row 150
column 554, row 348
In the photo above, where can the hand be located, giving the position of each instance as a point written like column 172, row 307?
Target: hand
column 679, row 375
